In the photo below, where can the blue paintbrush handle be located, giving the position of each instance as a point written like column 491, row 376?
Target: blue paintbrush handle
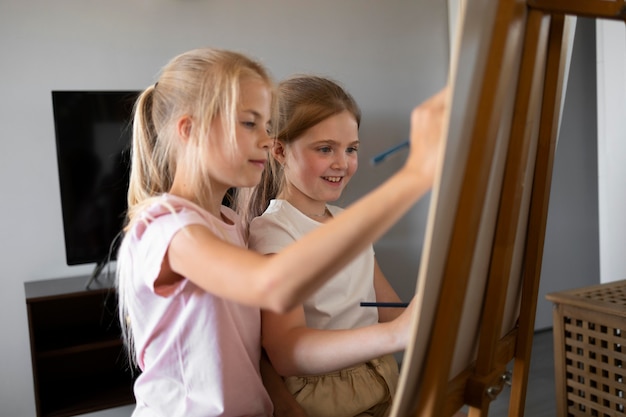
column 384, row 155
column 373, row 304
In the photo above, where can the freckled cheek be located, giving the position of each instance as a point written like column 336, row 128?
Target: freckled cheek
column 317, row 166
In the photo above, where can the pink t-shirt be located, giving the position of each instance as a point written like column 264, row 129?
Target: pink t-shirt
column 199, row 353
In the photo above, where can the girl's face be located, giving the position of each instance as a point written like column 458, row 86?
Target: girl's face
column 319, row 164
column 243, row 166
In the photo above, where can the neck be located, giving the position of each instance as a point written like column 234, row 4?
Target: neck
column 212, row 202
column 325, row 213
column 315, row 209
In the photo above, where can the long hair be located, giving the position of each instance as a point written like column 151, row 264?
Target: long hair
column 303, row 101
column 203, row 84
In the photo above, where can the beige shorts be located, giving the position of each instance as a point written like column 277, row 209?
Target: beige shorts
column 362, row 390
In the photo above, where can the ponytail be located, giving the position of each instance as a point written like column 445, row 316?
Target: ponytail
column 151, row 165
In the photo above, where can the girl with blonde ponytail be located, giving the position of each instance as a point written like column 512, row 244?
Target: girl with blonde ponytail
column 190, row 291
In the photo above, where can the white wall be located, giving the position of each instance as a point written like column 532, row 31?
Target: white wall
column 611, row 66
column 389, row 54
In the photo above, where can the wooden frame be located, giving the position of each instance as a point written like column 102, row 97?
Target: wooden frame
column 484, row 241
column 588, row 356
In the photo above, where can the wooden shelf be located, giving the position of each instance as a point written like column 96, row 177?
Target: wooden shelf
column 79, row 362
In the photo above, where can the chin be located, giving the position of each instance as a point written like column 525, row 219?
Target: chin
column 331, row 198
column 250, row 182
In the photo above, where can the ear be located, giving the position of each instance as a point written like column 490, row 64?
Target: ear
column 278, row 151
column 183, row 127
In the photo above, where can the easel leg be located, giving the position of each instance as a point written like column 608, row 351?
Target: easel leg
column 477, row 412
column 548, row 131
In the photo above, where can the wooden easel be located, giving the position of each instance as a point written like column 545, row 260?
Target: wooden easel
column 527, row 130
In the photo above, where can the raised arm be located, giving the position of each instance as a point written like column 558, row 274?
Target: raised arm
column 285, row 280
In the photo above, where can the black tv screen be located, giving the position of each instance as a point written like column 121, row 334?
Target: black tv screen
column 93, row 134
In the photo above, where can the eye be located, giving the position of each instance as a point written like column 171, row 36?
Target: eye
column 249, row 125
column 325, row 149
column 352, row 149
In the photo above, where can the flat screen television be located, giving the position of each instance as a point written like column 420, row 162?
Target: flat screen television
column 93, row 134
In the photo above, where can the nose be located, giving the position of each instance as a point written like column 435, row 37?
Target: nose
column 340, row 161
column 265, row 140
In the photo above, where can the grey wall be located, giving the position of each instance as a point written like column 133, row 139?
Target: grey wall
column 571, row 256
column 390, row 55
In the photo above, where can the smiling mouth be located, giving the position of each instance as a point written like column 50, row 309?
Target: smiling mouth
column 332, row 179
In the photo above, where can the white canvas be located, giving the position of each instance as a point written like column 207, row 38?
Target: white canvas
column 470, row 51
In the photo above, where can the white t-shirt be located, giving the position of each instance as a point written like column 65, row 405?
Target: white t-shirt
column 199, row 353
column 336, row 304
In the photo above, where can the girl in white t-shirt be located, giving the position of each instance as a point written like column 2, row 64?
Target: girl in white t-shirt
column 189, row 290
column 333, row 353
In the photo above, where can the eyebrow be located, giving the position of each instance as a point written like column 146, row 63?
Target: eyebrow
column 253, row 112
column 333, row 141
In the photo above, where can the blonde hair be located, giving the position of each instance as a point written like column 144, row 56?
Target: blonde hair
column 303, row 101
column 203, row 84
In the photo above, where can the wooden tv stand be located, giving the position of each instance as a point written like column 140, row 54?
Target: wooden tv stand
column 79, row 362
